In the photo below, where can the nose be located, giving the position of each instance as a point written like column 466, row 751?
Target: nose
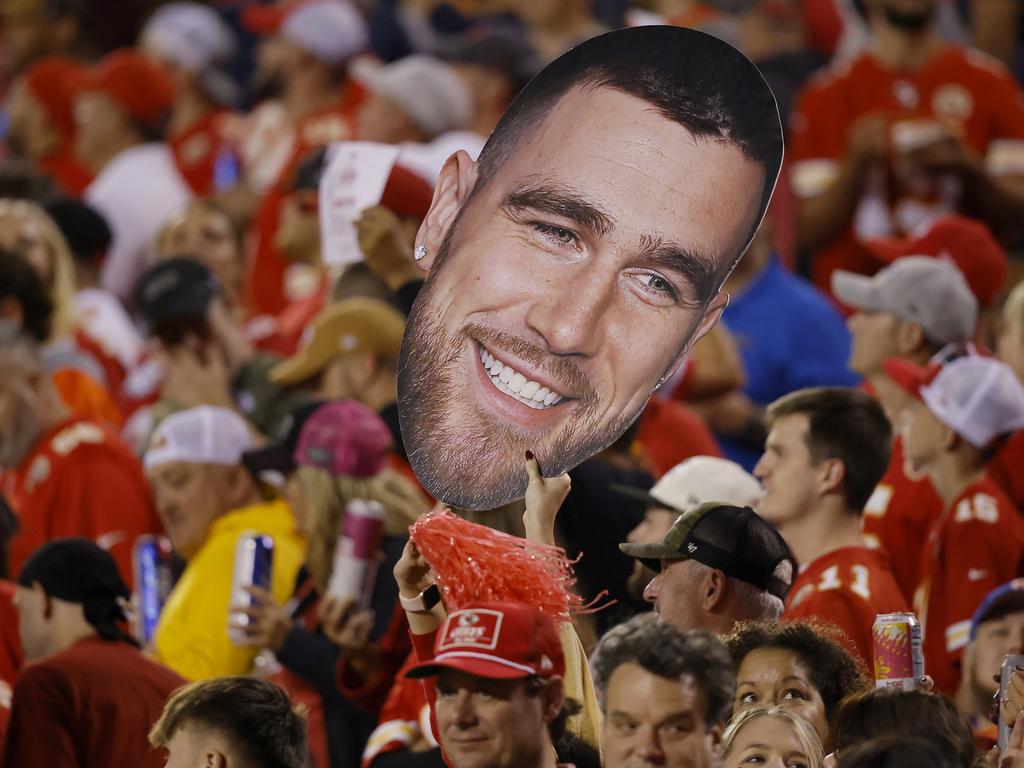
column 462, row 706
column 649, row 747
column 760, row 470
column 651, row 590
column 634, row 536
column 574, row 322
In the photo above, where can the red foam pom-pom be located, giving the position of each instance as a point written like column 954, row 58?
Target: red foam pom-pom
column 474, row 563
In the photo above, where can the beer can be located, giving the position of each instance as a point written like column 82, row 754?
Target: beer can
column 1010, row 663
column 153, row 574
column 899, row 658
column 254, row 559
column 356, row 556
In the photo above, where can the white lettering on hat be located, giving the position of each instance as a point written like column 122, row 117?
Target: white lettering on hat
column 691, row 547
column 479, row 628
column 546, row 664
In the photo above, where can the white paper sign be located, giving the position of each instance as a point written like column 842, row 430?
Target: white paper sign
column 356, row 174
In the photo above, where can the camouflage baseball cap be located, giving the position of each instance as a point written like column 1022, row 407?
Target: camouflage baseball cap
column 734, row 540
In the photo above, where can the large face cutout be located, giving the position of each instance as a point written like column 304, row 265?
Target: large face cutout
column 570, row 273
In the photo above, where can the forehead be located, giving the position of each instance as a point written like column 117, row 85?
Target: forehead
column 771, row 664
column 790, row 429
column 174, row 469
column 1013, row 618
column 631, row 688
column 700, row 193
column 456, row 679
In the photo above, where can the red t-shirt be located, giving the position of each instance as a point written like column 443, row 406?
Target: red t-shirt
column 10, row 652
column 965, row 90
column 1007, row 469
column 670, row 433
column 849, row 588
column 195, row 150
column 897, row 518
column 91, row 705
column 265, row 281
column 975, row 545
column 80, row 479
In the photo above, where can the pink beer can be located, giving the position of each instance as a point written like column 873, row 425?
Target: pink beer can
column 356, row 556
column 899, row 656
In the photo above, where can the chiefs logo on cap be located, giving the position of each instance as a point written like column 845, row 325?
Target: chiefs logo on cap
column 479, row 629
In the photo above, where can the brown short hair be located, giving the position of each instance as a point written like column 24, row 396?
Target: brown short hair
column 845, row 424
column 255, row 715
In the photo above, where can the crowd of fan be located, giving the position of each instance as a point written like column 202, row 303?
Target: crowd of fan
column 180, row 357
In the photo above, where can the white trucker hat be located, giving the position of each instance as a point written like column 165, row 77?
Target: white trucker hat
column 979, row 398
column 697, row 481
column 203, row 435
column 930, row 292
column 331, row 30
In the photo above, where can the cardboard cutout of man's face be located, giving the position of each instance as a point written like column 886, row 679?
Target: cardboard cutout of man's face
column 569, row 278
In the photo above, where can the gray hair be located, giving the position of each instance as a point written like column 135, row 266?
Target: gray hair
column 663, row 650
column 752, row 603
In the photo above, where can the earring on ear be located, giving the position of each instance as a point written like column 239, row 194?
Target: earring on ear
column 420, row 252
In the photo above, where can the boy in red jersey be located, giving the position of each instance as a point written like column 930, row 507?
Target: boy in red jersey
column 826, row 450
column 950, row 429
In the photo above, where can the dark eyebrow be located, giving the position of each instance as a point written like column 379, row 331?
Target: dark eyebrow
column 560, row 201
column 697, row 268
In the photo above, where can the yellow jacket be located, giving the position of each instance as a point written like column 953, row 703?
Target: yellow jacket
column 192, row 636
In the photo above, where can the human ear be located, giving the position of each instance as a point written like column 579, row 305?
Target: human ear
column 454, row 184
column 833, row 474
column 553, row 696
column 713, row 589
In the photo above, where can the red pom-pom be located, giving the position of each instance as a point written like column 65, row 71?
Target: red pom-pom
column 474, row 563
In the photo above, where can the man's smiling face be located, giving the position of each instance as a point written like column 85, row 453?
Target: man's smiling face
column 574, row 280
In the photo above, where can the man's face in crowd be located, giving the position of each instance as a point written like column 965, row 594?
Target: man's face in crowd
column 776, row 677
column 923, row 436
column 574, row 281
column 873, row 339
column 194, row 746
column 206, row 235
column 98, row 120
column 983, row 658
column 787, row 471
column 673, row 593
column 22, row 233
column 655, row 721
column 22, row 417
column 189, row 497
column 652, row 530
column 33, row 629
column 493, row 723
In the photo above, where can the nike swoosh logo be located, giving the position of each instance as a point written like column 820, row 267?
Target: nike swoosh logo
column 976, row 574
column 109, row 539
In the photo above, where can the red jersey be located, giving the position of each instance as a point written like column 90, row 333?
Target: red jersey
column 897, row 519
column 975, row 545
column 962, row 89
column 10, row 652
column 670, row 433
column 1005, row 469
column 849, row 588
column 90, row 705
column 196, row 148
column 80, row 479
column 265, row 282
column 68, row 174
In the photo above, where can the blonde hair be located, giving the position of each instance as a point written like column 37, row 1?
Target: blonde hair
column 61, row 285
column 810, row 744
column 1013, row 308
column 325, row 497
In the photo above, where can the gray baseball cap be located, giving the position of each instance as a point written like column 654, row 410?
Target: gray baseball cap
column 930, row 292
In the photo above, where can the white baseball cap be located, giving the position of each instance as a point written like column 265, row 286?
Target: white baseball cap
column 930, row 292
column 697, row 481
column 331, row 30
column 203, row 435
column 426, row 89
column 979, row 398
column 191, row 35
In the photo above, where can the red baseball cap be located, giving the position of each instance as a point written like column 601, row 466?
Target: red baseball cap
column 500, row 641
column 966, row 242
column 54, row 81
column 346, row 438
column 134, row 82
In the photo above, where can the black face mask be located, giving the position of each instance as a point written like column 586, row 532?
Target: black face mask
column 909, row 21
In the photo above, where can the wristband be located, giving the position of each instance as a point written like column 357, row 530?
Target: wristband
column 423, row 602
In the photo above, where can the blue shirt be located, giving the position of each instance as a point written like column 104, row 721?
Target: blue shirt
column 790, row 336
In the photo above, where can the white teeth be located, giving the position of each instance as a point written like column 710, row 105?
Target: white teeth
column 516, row 385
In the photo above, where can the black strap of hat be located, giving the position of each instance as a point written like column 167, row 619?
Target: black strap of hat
column 736, row 567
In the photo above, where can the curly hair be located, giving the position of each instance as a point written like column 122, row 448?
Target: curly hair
column 886, row 712
column 834, row 672
column 663, row 650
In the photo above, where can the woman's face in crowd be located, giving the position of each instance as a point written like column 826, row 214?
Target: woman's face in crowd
column 767, row 742
column 770, row 676
column 21, row 233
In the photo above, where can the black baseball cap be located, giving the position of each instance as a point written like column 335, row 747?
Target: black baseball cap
column 174, row 289
column 734, row 540
column 279, row 456
column 77, row 570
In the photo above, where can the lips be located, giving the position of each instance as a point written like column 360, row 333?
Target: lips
column 518, row 385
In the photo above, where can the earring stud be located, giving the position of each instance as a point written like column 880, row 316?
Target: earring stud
column 419, row 252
